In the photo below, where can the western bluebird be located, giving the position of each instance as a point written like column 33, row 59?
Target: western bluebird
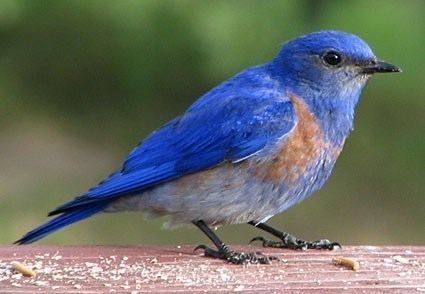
column 248, row 149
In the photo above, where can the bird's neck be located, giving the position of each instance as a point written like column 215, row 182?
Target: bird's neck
column 334, row 117
column 334, row 112
column 332, row 104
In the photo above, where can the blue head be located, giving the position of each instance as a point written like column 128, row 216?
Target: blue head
column 328, row 69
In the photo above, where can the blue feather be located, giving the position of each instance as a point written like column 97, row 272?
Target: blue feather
column 233, row 129
column 237, row 125
column 243, row 116
column 60, row 222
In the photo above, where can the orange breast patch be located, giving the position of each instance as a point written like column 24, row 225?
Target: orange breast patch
column 298, row 151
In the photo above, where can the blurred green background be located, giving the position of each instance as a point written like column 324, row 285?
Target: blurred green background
column 81, row 82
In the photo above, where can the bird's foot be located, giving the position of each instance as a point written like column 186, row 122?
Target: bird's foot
column 236, row 257
column 291, row 242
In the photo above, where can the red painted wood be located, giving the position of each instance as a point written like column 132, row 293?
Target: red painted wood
column 142, row 269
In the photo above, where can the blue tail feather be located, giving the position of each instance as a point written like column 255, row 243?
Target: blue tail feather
column 59, row 222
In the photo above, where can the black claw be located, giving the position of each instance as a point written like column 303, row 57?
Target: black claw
column 336, row 244
column 323, row 244
column 199, row 247
column 268, row 243
column 257, row 239
column 290, row 242
column 236, row 257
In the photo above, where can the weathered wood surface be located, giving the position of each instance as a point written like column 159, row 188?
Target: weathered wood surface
column 104, row 269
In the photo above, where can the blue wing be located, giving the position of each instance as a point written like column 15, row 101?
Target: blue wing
column 230, row 123
column 231, row 129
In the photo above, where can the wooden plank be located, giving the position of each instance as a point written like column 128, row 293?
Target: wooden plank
column 142, row 269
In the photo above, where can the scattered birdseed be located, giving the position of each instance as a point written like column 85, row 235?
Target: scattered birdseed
column 16, row 285
column 166, row 272
column 401, row 259
column 90, row 264
column 239, row 288
column 41, row 283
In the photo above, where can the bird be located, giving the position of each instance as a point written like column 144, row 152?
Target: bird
column 248, row 149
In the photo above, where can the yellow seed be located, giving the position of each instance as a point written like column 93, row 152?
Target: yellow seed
column 23, row 269
column 347, row 262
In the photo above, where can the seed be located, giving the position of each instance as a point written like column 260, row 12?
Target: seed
column 347, row 262
column 23, row 269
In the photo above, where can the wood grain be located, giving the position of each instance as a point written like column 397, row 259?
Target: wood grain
column 142, row 269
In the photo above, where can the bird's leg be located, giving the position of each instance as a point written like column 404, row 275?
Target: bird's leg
column 223, row 252
column 290, row 241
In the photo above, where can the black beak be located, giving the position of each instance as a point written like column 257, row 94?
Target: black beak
column 380, row 66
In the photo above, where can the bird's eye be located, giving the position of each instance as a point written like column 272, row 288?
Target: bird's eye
column 332, row 58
